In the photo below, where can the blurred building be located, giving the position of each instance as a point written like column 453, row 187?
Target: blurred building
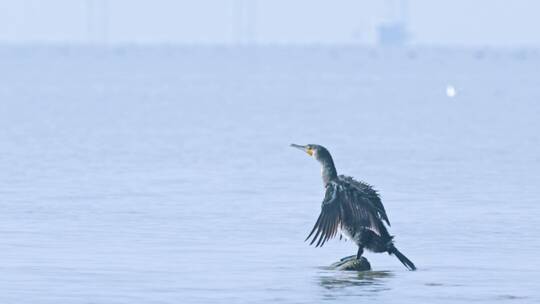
column 393, row 31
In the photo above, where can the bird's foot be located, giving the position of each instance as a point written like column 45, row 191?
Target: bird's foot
column 348, row 258
column 352, row 263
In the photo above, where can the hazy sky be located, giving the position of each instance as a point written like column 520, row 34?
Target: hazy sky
column 441, row 22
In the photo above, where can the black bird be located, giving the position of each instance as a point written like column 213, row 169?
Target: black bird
column 351, row 208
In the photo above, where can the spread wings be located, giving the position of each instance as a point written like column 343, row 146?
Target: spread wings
column 345, row 205
column 331, row 217
column 370, row 193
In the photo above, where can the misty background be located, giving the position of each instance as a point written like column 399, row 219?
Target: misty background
column 144, row 149
column 370, row 22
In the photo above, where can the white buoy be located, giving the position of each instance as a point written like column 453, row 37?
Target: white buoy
column 451, row 91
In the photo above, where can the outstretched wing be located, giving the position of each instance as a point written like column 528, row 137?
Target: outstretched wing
column 370, row 196
column 330, row 219
column 359, row 212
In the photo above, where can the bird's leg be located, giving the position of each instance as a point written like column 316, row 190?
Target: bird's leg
column 360, row 251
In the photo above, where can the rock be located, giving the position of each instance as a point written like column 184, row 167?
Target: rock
column 352, row 264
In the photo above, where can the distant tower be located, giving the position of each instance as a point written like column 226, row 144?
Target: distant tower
column 393, row 31
column 244, row 21
column 97, row 21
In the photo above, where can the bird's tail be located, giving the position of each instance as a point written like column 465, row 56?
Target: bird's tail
column 402, row 258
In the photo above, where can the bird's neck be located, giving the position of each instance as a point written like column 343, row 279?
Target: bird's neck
column 328, row 170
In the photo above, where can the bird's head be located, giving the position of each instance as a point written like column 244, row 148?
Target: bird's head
column 316, row 151
column 322, row 156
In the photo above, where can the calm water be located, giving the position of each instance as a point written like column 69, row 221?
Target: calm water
column 163, row 175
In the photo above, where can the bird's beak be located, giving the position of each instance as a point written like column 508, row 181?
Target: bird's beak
column 303, row 148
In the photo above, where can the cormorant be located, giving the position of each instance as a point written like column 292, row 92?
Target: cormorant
column 351, row 208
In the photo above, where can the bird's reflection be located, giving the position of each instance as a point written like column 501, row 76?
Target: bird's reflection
column 347, row 283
